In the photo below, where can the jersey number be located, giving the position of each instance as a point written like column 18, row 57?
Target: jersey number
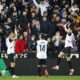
column 42, row 47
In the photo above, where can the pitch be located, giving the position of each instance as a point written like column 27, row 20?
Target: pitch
column 42, row 78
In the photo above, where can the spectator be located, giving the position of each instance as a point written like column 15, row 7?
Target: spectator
column 33, row 16
column 46, row 16
column 28, row 30
column 50, row 46
column 78, row 40
column 74, row 8
column 23, row 20
column 56, row 40
column 2, row 40
column 45, row 26
column 42, row 6
column 37, row 29
column 32, row 46
column 20, row 45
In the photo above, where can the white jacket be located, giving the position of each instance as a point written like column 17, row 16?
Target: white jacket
column 43, row 8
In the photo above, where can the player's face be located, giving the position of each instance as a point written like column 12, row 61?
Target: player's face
column 11, row 35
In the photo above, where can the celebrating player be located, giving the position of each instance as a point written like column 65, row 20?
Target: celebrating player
column 10, row 43
column 42, row 54
column 67, row 50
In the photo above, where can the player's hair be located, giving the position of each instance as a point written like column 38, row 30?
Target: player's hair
column 9, row 32
column 71, row 27
column 42, row 36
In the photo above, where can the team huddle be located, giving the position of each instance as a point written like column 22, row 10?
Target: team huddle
column 41, row 53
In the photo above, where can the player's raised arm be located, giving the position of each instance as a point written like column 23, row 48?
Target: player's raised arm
column 67, row 29
column 36, row 4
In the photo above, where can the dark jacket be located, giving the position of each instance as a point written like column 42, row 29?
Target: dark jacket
column 45, row 27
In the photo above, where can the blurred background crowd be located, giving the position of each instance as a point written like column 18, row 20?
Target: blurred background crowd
column 28, row 18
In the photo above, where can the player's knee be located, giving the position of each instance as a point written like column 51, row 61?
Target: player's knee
column 44, row 66
column 12, row 64
column 60, row 55
column 68, row 59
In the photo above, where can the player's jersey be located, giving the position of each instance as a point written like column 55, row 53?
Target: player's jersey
column 42, row 49
column 10, row 46
column 68, row 40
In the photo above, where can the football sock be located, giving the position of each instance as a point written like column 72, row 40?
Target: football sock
column 70, row 64
column 12, row 70
column 59, row 61
column 39, row 71
column 45, row 68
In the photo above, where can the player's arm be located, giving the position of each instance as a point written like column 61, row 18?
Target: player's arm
column 66, row 29
column 36, row 4
column 7, row 43
column 14, row 37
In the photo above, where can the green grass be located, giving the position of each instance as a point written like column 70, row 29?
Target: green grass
column 43, row 78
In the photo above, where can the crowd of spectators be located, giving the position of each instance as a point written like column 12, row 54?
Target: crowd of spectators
column 29, row 18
